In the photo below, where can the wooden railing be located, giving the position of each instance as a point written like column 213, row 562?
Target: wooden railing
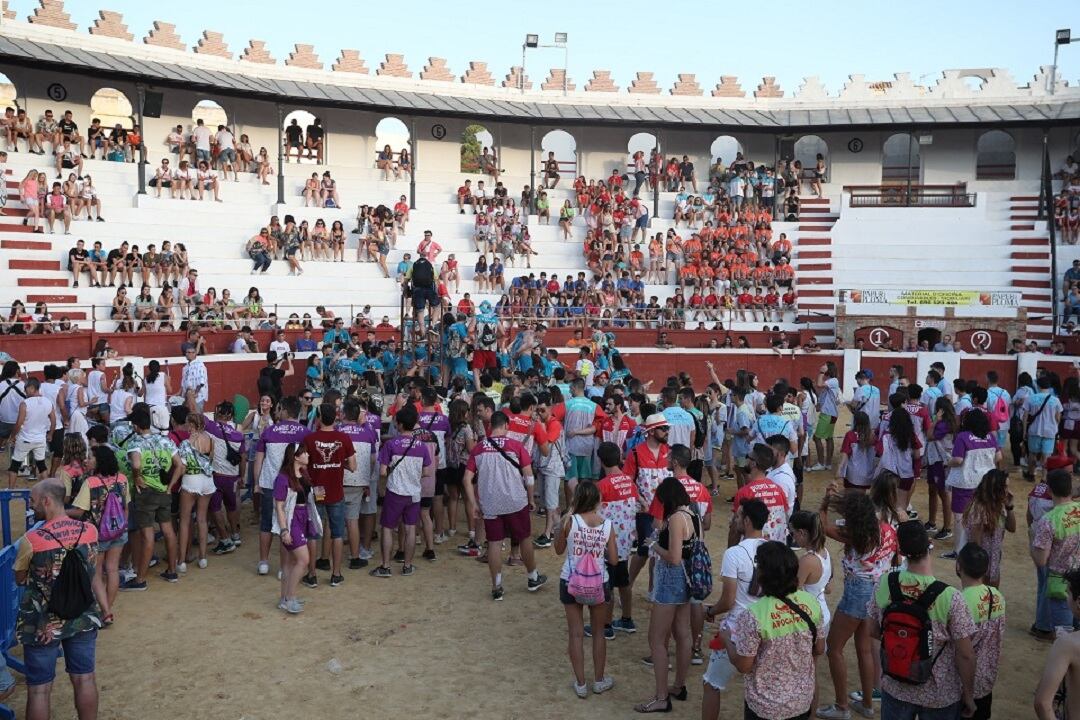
column 910, row 195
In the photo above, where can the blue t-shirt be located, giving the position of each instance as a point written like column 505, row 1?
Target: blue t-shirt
column 306, row 345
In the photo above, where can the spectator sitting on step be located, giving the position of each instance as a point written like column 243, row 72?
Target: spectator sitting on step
column 401, row 213
column 162, row 177
column 311, row 191
column 489, row 164
column 314, row 142
column 48, row 129
column 385, row 163
column 404, row 161
column 67, row 159
column 206, row 178
column 263, row 168
column 328, row 192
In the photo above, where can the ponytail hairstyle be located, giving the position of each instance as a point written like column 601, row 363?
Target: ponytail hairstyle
column 155, row 370
column 810, row 523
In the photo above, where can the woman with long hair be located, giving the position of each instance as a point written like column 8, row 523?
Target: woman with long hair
column 900, row 452
column 88, row 504
column 586, row 531
column 989, row 516
column 197, row 487
column 885, row 494
column 291, row 519
column 869, row 548
column 975, row 453
column 670, row 614
column 815, row 567
column 938, row 451
column 156, row 386
column 459, row 444
column 858, row 455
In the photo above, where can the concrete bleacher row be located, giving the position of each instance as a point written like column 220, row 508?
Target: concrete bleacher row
column 215, row 233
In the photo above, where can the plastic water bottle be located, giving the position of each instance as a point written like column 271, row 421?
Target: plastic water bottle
column 720, row 670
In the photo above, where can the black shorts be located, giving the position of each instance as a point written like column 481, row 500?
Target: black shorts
column 455, row 477
column 441, row 480
column 619, row 574
column 424, row 297
column 643, row 523
column 56, row 445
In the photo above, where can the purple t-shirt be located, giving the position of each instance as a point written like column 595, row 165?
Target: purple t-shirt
column 978, row 455
column 224, row 436
column 281, row 490
column 404, row 476
column 435, row 426
column 272, row 443
column 365, row 442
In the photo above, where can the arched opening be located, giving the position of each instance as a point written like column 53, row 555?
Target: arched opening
column 564, row 147
column 393, row 132
column 8, row 94
column 725, row 149
column 304, row 137
column 995, row 156
column 900, row 162
column 211, row 113
column 111, row 107
column 807, row 148
column 475, row 139
column 973, row 83
column 639, row 142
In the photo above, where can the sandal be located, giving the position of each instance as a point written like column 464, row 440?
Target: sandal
column 107, row 620
column 656, row 705
column 675, row 693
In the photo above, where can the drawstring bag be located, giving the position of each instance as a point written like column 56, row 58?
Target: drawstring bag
column 113, row 523
column 586, row 583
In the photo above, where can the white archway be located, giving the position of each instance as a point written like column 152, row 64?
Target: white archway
column 639, row 142
column 807, row 148
column 393, row 132
column 564, row 146
column 211, row 113
column 900, row 161
column 304, row 120
column 995, row 156
column 724, row 149
column 111, row 107
column 474, row 139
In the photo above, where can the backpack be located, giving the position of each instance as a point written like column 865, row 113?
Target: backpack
column 71, row 593
column 701, row 429
column 113, row 522
column 698, row 567
column 423, row 275
column 586, row 581
column 1000, row 412
column 907, row 635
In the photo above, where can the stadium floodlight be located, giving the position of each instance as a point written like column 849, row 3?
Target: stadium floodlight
column 532, row 40
column 1061, row 37
column 560, row 39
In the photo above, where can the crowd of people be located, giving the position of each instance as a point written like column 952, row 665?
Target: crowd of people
column 621, row 480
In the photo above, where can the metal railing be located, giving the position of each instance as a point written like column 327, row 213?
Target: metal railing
column 893, row 196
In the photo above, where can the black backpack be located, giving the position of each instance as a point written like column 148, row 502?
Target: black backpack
column 71, row 593
column 265, row 383
column 701, row 431
column 423, row 275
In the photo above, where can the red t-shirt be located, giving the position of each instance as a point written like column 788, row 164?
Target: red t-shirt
column 698, row 494
column 647, row 470
column 774, row 498
column 327, row 452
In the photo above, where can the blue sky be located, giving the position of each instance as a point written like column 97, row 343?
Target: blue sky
column 828, row 38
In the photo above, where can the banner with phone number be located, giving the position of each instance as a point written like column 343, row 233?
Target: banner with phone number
column 932, row 297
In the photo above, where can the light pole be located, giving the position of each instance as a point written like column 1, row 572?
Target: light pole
column 1061, row 37
column 532, row 41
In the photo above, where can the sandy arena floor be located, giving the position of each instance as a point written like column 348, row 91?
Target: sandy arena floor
column 432, row 645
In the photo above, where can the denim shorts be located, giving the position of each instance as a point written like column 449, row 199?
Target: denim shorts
column 79, row 653
column 858, row 592
column 1039, row 445
column 266, row 510
column 106, row 545
column 669, row 584
column 333, row 517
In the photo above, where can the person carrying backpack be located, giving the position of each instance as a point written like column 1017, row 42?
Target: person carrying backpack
column 925, row 628
column 103, row 499
column 587, row 539
column 55, row 561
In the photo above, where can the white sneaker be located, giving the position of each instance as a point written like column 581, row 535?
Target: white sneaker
column 126, row 574
column 832, row 712
column 365, row 554
column 202, row 563
column 582, row 691
column 181, row 567
column 816, row 467
column 603, row 685
column 237, row 540
column 440, row 538
column 264, row 567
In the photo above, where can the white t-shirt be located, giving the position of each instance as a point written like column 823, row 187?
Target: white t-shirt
column 239, row 346
column 36, row 425
column 224, row 139
column 77, row 424
column 280, row 347
column 202, row 137
column 51, row 391
column 118, row 404
column 784, row 476
column 738, row 563
column 95, row 382
column 155, row 392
